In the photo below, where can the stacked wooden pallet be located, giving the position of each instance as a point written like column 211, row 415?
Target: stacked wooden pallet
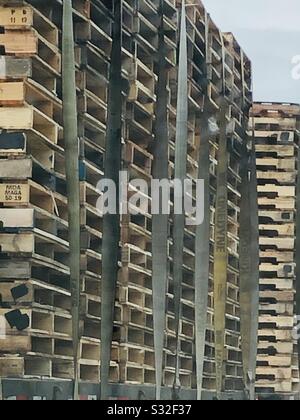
column 137, row 364
column 276, row 136
column 93, row 28
column 34, row 247
column 34, row 251
column 229, row 72
column 238, row 80
column 195, row 20
column 35, row 241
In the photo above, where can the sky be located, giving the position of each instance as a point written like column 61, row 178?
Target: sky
column 269, row 32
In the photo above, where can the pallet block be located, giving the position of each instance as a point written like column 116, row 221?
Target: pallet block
column 12, row 194
column 19, row 43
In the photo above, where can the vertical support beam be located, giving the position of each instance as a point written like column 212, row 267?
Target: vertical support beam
column 249, row 257
column 202, row 255
column 180, row 174
column 245, row 265
column 221, row 251
column 254, row 278
column 72, row 174
column 111, row 222
column 202, row 244
column 297, row 256
column 160, row 222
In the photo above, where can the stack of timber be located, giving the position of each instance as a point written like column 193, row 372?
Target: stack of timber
column 229, row 75
column 34, row 273
column 93, row 34
column 134, row 293
column 184, row 349
column 276, row 136
column 34, row 217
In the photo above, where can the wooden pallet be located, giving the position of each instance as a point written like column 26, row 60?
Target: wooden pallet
column 267, row 164
column 274, row 138
column 263, row 108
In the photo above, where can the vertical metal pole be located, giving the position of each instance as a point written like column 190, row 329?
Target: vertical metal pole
column 111, row 222
column 245, row 265
column 221, row 240
column 72, row 174
column 249, row 254
column 160, row 222
column 180, row 174
column 221, row 252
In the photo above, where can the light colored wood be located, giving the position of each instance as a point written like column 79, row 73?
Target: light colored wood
column 280, row 347
column 278, row 361
column 17, row 218
column 16, row 17
column 280, row 150
column 287, row 229
column 280, row 387
column 274, row 135
column 15, row 243
column 281, row 284
column 279, row 190
column 278, row 203
column 280, row 335
column 278, row 308
column 6, row 292
column 277, row 215
column 280, row 256
column 16, row 118
column 14, row 194
column 19, row 42
column 280, row 243
column 288, row 164
column 12, row 93
column 279, row 373
column 283, row 177
column 264, row 107
column 279, row 321
column 284, row 296
column 282, row 123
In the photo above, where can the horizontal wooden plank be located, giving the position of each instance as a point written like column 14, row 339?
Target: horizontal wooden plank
column 280, row 347
column 19, row 42
column 16, row 169
column 278, row 335
column 17, row 243
column 277, row 361
column 12, row 93
column 11, row 366
column 17, row 218
column 14, row 118
column 277, row 189
column 15, row 68
column 16, row 16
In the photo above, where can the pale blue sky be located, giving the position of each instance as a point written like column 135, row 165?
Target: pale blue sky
column 269, row 32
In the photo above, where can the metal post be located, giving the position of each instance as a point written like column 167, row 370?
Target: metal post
column 111, row 222
column 160, row 222
column 72, row 174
